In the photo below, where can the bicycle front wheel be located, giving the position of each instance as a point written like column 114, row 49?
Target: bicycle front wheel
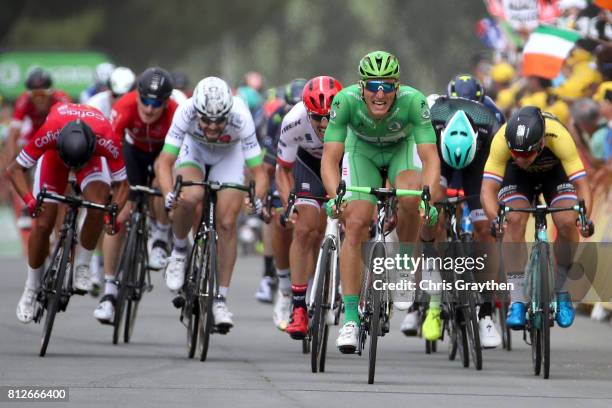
column 319, row 326
column 474, row 332
column 136, row 292
column 191, row 308
column 206, row 295
column 125, row 271
column 375, row 301
column 545, row 307
column 54, row 288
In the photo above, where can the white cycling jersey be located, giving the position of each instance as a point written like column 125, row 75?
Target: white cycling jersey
column 239, row 129
column 297, row 132
column 103, row 101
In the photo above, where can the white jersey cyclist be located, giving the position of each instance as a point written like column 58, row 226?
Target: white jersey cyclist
column 300, row 148
column 226, row 153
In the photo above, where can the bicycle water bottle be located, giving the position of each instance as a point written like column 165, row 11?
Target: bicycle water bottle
column 467, row 229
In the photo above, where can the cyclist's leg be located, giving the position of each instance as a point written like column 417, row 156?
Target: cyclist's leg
column 304, row 248
column 191, row 167
column 94, row 181
column 559, row 192
column 517, row 191
column 54, row 177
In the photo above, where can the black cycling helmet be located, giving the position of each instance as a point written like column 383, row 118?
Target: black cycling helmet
column 76, row 144
column 39, row 78
column 525, row 129
column 155, row 83
column 180, row 80
column 466, row 86
column 293, row 91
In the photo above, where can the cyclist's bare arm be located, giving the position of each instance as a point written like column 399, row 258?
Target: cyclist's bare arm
column 332, row 154
column 583, row 191
column 163, row 171
column 11, row 141
column 284, row 182
column 428, row 153
column 19, row 178
column 488, row 197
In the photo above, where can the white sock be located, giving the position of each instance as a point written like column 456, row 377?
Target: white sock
column 223, row 290
column 180, row 244
column 33, row 278
column 110, row 287
column 517, row 294
column 160, row 232
column 83, row 255
column 284, row 281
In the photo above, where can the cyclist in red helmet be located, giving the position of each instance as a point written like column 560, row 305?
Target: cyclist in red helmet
column 299, row 168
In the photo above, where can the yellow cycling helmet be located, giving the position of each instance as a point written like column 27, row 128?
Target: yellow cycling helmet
column 502, row 72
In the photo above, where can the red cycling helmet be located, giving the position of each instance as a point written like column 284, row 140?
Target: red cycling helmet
column 319, row 92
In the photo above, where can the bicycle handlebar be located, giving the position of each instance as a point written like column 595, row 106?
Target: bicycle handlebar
column 291, row 205
column 215, row 186
column 76, row 202
column 146, row 190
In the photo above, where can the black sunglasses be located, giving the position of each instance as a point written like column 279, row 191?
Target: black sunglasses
column 316, row 117
column 216, row 121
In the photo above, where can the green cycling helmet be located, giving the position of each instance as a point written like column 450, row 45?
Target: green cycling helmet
column 379, row 64
column 458, row 141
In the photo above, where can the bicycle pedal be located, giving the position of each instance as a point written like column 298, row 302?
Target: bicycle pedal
column 222, row 329
column 79, row 292
column 178, row 302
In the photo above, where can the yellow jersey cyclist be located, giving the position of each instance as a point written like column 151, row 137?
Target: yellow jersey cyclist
column 376, row 125
column 534, row 149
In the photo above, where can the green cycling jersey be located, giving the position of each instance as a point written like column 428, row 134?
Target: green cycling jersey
column 371, row 145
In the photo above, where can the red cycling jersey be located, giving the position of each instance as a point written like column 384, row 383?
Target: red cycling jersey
column 25, row 108
column 45, row 139
column 126, row 123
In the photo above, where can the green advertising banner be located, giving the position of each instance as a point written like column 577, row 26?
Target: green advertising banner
column 71, row 71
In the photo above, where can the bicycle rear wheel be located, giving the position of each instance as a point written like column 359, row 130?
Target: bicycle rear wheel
column 54, row 288
column 545, row 307
column 318, row 323
column 206, row 294
column 505, row 330
column 473, row 332
column 376, row 309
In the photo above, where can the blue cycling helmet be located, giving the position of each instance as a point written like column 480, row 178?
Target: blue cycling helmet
column 458, row 141
column 466, row 86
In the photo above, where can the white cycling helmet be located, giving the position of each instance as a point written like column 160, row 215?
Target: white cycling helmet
column 212, row 98
column 122, row 80
column 103, row 72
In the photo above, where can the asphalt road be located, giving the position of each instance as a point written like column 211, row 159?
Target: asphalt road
column 258, row 366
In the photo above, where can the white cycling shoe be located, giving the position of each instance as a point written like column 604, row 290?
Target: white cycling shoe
column 105, row 312
column 348, row 338
column 82, row 278
column 264, row 291
column 25, row 307
column 410, row 324
column 222, row 315
column 175, row 271
column 158, row 256
column 282, row 311
column 489, row 337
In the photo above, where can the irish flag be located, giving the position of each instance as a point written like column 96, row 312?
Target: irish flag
column 546, row 49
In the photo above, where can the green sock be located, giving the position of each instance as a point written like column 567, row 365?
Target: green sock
column 351, row 313
column 434, row 301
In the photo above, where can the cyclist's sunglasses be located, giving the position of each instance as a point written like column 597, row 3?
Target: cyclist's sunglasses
column 526, row 154
column 40, row 92
column 375, row 86
column 152, row 102
column 216, row 121
column 316, row 117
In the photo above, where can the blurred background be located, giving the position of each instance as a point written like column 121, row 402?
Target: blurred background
column 280, row 39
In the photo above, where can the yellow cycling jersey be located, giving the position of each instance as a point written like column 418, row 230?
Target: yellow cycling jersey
column 558, row 147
